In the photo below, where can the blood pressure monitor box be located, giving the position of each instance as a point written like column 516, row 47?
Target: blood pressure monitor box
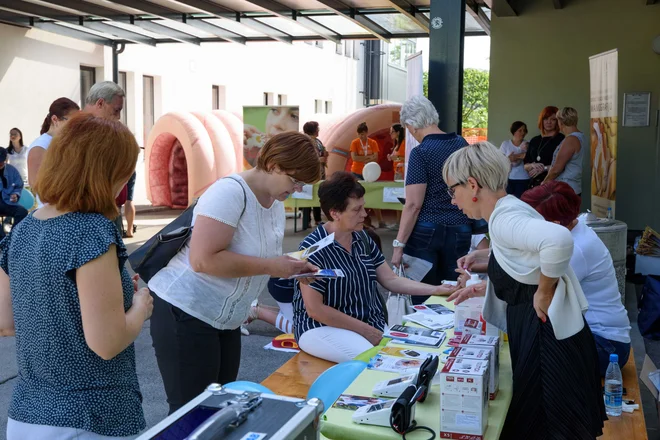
column 490, row 343
column 464, row 399
column 482, row 354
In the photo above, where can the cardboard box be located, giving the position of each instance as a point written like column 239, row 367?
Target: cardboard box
column 464, row 399
column 470, row 311
column 492, row 343
column 482, row 354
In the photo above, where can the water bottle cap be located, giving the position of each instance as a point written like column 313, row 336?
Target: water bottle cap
column 614, row 358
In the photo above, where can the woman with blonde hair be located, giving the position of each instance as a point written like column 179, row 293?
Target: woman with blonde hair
column 534, row 296
column 76, row 312
column 567, row 158
column 204, row 293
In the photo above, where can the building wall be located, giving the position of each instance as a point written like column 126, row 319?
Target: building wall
column 542, row 58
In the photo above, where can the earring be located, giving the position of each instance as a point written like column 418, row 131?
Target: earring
column 474, row 199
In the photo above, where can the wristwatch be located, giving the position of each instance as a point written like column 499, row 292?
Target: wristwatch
column 398, row 244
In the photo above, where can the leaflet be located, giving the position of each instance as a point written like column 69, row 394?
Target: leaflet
column 322, row 273
column 395, row 364
column 415, row 336
column 405, row 352
column 433, row 308
column 304, row 254
column 431, row 320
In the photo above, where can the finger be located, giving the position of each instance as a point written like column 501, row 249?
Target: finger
column 542, row 316
column 310, row 267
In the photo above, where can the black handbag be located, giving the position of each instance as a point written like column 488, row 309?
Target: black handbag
column 157, row 252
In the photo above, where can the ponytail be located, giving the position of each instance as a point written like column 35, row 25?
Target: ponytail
column 46, row 125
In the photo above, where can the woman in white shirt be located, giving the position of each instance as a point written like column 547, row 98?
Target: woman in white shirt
column 17, row 153
column 556, row 383
column 516, row 149
column 204, row 293
column 593, row 267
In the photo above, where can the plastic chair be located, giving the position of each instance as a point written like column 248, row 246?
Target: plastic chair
column 244, row 385
column 333, row 381
column 26, row 200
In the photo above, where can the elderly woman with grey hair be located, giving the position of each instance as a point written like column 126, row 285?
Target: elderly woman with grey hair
column 431, row 227
column 534, row 295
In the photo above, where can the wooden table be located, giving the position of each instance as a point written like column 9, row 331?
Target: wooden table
column 294, row 378
column 630, row 426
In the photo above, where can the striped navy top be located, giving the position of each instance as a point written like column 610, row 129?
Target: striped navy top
column 356, row 294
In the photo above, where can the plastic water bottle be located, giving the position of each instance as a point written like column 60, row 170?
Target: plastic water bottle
column 613, row 387
column 610, row 216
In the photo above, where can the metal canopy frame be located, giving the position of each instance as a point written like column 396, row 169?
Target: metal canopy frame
column 198, row 21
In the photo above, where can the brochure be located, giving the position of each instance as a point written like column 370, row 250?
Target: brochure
column 306, row 253
column 433, row 308
column 402, row 334
column 409, row 353
column 431, row 320
column 322, row 273
column 350, row 402
column 395, row 364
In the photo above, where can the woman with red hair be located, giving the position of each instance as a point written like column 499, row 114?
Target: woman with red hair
column 542, row 148
column 593, row 267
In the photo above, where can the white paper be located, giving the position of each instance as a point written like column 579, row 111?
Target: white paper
column 306, row 253
column 307, row 193
column 392, row 195
column 416, row 268
column 431, row 320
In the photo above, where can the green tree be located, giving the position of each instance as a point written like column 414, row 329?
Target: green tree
column 475, row 97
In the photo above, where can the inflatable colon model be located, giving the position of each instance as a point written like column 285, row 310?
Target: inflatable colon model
column 187, row 152
column 337, row 137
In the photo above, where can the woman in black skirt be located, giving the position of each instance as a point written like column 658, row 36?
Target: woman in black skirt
column 556, row 382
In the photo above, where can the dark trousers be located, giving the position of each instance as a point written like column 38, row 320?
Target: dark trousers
column 442, row 245
column 17, row 212
column 517, row 187
column 606, row 347
column 306, row 216
column 191, row 354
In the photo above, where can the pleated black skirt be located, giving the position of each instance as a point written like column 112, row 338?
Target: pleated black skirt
column 557, row 391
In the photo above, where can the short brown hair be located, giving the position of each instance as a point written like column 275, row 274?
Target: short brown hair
column 85, row 163
column 362, row 128
column 293, row 153
column 546, row 113
column 310, row 128
column 335, row 192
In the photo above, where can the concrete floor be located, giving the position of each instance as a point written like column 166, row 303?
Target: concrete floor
column 256, row 363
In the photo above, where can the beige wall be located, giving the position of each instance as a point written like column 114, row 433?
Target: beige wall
column 542, row 58
column 36, row 68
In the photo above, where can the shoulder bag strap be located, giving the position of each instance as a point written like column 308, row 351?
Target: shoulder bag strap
column 244, row 194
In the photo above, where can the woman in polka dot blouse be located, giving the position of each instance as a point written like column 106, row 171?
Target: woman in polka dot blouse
column 76, row 311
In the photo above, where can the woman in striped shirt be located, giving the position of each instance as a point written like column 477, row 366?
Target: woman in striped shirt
column 337, row 319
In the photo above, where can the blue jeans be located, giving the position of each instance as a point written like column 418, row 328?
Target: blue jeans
column 606, row 347
column 442, row 245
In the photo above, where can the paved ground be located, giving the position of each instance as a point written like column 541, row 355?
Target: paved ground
column 256, row 363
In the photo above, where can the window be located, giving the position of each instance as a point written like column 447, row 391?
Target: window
column 319, row 43
column 339, row 48
column 348, row 48
column 328, row 107
column 357, row 46
column 281, row 99
column 122, row 84
column 147, row 105
column 265, row 98
column 87, row 80
column 219, row 97
column 318, row 106
column 399, row 50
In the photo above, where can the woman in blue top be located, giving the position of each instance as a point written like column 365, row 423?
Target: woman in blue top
column 567, row 159
column 337, row 319
column 76, row 312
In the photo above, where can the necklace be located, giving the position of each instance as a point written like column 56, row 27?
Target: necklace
column 541, row 147
column 365, row 148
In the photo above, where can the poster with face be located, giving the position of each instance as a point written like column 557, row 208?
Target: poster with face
column 261, row 123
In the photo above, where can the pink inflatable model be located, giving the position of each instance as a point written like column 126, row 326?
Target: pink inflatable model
column 185, row 154
column 337, row 138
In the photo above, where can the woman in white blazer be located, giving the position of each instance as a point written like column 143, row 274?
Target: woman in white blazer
column 535, row 297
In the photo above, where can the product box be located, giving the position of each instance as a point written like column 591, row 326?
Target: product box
column 482, row 354
column 491, row 343
column 464, row 399
column 470, row 311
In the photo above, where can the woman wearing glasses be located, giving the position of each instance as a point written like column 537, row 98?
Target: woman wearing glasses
column 535, row 296
column 204, row 293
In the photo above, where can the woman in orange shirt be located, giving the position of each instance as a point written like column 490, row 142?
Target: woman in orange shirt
column 363, row 151
column 398, row 155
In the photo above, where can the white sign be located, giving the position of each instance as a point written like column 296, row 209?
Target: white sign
column 307, row 193
column 636, row 109
column 392, row 195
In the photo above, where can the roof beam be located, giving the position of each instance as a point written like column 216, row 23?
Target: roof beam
column 217, row 31
column 124, row 34
column 339, row 8
column 73, row 33
column 412, row 13
column 174, row 34
column 219, row 11
column 87, row 8
column 291, row 15
column 503, row 8
column 480, row 17
column 559, row 4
